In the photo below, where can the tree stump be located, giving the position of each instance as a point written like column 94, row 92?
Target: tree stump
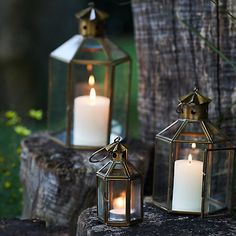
column 16, row 227
column 157, row 222
column 59, row 182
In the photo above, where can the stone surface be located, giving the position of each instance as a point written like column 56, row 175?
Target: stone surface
column 59, row 182
column 157, row 222
column 16, row 227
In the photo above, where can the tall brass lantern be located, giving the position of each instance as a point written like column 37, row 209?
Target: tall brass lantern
column 119, row 188
column 89, row 86
column 194, row 162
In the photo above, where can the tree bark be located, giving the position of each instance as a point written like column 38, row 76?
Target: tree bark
column 176, row 44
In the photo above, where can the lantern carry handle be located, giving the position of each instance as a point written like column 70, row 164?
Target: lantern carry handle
column 91, row 158
column 109, row 148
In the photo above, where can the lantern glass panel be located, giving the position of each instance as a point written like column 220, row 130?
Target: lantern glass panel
column 100, row 194
column 121, row 91
column 85, row 77
column 118, row 170
column 161, row 167
column 193, row 131
column 57, row 116
column 218, row 180
column 170, row 131
column 114, row 52
column 104, row 169
column 216, row 134
column 117, row 200
column 132, row 170
column 135, row 201
column 92, row 49
column 183, row 150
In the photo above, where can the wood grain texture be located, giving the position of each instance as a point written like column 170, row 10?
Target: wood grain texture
column 59, row 182
column 174, row 42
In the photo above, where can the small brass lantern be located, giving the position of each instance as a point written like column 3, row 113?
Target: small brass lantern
column 89, row 86
column 119, row 188
column 194, row 162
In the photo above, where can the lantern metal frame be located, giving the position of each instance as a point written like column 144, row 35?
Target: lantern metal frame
column 91, row 30
column 193, row 109
column 118, row 155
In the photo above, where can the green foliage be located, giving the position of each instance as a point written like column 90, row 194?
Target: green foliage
column 22, row 130
column 36, row 114
column 12, row 118
column 13, row 128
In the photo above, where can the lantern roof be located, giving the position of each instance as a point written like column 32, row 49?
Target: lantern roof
column 195, row 97
column 118, row 170
column 118, row 167
column 184, row 130
column 92, row 14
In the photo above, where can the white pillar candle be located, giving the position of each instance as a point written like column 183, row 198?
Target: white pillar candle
column 91, row 115
column 187, row 189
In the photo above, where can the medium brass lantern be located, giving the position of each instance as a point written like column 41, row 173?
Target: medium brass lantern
column 89, row 86
column 119, row 188
column 194, row 162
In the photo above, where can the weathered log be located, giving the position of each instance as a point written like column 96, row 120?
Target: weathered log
column 157, row 222
column 16, row 227
column 176, row 45
column 59, row 182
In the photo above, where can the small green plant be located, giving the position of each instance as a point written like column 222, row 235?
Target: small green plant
column 13, row 128
column 13, row 119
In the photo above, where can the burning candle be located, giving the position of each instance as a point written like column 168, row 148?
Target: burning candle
column 187, row 190
column 119, row 209
column 91, row 115
column 118, row 212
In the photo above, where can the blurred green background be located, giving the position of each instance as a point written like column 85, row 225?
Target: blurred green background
column 29, row 31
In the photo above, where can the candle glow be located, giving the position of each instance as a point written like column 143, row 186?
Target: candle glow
column 119, row 202
column 91, row 80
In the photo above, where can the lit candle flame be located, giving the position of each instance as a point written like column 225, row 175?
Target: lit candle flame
column 119, row 202
column 194, row 145
column 190, row 158
column 92, row 95
column 91, row 80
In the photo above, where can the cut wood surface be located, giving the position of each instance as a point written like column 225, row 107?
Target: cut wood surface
column 176, row 44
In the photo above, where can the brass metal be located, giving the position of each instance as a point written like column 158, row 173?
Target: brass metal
column 194, row 106
column 91, row 21
column 177, row 138
column 117, row 153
